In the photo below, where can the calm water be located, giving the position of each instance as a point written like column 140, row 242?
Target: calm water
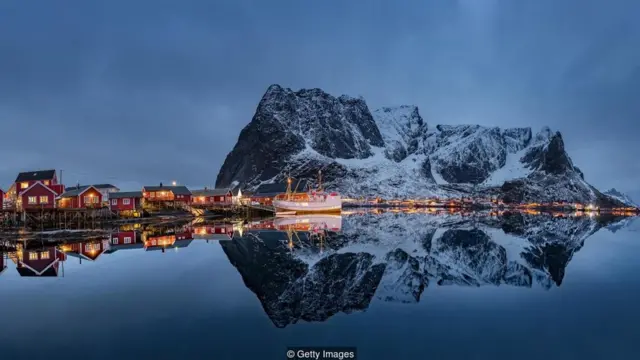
column 397, row 286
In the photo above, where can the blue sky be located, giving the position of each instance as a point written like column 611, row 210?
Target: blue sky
column 133, row 92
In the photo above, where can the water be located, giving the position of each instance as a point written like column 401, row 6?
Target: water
column 396, row 286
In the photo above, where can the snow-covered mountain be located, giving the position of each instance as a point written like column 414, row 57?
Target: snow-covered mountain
column 623, row 198
column 398, row 257
column 392, row 153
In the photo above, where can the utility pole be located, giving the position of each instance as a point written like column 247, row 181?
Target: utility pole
column 60, row 180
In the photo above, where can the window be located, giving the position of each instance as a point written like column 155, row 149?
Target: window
column 24, row 185
column 126, row 201
column 33, row 256
column 96, row 199
column 46, row 182
column 114, row 241
column 221, row 198
column 33, row 200
column 44, row 199
column 44, row 255
column 114, row 201
column 152, row 194
column 153, row 242
column 127, row 240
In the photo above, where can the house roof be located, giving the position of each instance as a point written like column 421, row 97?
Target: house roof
column 97, row 186
column 125, row 194
column 176, row 244
column 38, row 183
column 76, row 191
column 279, row 188
column 176, row 190
column 36, row 175
column 211, row 192
column 25, row 271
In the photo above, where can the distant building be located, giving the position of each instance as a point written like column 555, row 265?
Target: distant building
column 166, row 193
column 125, row 202
column 1, row 199
column 212, row 197
column 80, row 198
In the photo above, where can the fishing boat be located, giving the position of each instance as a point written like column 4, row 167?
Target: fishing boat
column 312, row 201
column 312, row 222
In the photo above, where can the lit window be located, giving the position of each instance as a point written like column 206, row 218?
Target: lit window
column 33, row 256
column 46, row 182
column 24, row 185
column 127, row 240
column 153, row 242
column 126, row 201
column 152, row 194
column 44, row 255
column 44, row 199
column 96, row 199
column 221, row 198
column 114, row 240
column 33, row 200
column 114, row 201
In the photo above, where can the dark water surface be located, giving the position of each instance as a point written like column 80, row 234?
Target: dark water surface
column 396, row 286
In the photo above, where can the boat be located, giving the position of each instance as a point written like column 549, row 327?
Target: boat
column 312, row 201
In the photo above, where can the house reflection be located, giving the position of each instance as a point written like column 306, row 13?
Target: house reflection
column 125, row 240
column 87, row 250
column 219, row 231
column 167, row 238
column 38, row 261
column 3, row 262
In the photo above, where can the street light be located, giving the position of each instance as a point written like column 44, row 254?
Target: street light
column 174, row 183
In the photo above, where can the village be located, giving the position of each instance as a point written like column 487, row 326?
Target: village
column 38, row 199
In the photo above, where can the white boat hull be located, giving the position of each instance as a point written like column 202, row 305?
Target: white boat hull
column 331, row 204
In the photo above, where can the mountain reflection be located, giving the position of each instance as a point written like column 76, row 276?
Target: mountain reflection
column 397, row 256
column 313, row 267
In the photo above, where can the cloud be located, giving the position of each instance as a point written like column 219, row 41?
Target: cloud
column 156, row 91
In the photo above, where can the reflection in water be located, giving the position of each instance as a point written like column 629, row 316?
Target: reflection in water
column 312, row 267
column 396, row 257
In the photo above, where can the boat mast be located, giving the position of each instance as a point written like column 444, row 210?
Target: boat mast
column 319, row 180
column 288, row 188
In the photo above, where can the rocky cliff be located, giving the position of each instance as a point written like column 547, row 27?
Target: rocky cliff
column 393, row 153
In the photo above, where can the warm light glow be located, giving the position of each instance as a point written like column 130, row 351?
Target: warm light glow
column 174, row 183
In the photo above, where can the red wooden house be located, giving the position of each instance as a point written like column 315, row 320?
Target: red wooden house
column 80, row 198
column 166, row 193
column 212, row 197
column 125, row 201
column 40, row 262
column 46, row 177
column 37, row 196
column 87, row 250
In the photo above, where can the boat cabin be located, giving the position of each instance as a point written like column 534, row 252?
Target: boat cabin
column 166, row 193
column 87, row 197
column 212, row 197
column 266, row 193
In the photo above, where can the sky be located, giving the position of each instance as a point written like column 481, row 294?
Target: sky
column 139, row 92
